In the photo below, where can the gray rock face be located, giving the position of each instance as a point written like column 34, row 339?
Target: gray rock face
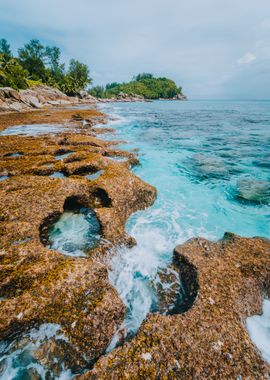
column 180, row 97
column 38, row 97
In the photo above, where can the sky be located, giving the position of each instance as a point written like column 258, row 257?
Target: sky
column 214, row 49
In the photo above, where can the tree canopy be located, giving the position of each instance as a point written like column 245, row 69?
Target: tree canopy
column 144, row 84
column 37, row 63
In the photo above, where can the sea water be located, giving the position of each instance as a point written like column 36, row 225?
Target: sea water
column 210, row 163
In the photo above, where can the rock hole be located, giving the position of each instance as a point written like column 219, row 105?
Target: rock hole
column 85, row 170
column 74, row 231
column 4, row 177
column 17, row 154
column 101, row 198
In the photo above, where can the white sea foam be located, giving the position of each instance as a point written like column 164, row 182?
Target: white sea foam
column 16, row 359
column 74, row 232
column 259, row 330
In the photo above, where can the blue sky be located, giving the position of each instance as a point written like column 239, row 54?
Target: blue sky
column 215, row 49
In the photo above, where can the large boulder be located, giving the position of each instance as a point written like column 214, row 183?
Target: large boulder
column 39, row 96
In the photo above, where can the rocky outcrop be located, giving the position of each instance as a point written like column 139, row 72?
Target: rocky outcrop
column 39, row 285
column 180, row 97
column 38, row 96
column 208, row 341
column 126, row 98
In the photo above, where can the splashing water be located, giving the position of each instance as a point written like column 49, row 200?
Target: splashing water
column 195, row 153
column 18, row 358
column 75, row 232
column 259, row 330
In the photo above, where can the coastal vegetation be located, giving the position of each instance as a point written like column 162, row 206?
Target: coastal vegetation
column 36, row 63
column 145, row 85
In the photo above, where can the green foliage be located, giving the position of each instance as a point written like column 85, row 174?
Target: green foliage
column 144, row 84
column 37, row 63
column 97, row 92
column 77, row 77
column 112, row 85
column 12, row 74
column 143, row 76
column 31, row 57
column 32, row 83
column 5, row 48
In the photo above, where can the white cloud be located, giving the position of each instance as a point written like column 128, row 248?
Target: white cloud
column 265, row 24
column 246, row 59
column 120, row 38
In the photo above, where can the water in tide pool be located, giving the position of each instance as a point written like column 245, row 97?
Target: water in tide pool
column 210, row 162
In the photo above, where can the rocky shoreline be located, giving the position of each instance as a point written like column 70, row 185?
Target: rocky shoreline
column 203, row 336
column 42, row 96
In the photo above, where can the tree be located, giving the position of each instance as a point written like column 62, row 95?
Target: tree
column 12, row 74
column 146, row 85
column 32, row 57
column 5, row 48
column 97, row 91
column 143, row 76
column 112, row 85
column 77, row 78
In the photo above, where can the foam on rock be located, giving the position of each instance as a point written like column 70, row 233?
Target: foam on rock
column 258, row 328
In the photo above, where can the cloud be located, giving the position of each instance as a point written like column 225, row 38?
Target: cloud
column 265, row 24
column 196, row 42
column 246, row 59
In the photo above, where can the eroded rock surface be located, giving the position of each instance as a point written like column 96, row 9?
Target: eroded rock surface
column 39, row 285
column 209, row 340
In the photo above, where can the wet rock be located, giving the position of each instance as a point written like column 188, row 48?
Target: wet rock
column 168, row 289
column 210, row 340
column 57, row 355
column 253, row 191
column 41, row 285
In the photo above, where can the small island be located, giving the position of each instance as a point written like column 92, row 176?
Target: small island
column 36, row 64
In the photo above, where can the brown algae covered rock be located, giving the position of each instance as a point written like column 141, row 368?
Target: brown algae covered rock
column 49, row 185
column 224, row 283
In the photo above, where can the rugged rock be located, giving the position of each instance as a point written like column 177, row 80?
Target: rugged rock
column 209, row 340
column 180, row 97
column 38, row 96
column 40, row 285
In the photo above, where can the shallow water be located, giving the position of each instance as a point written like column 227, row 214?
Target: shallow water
column 34, row 130
column 63, row 156
column 57, row 175
column 95, row 175
column 196, row 154
column 3, row 177
column 75, row 232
